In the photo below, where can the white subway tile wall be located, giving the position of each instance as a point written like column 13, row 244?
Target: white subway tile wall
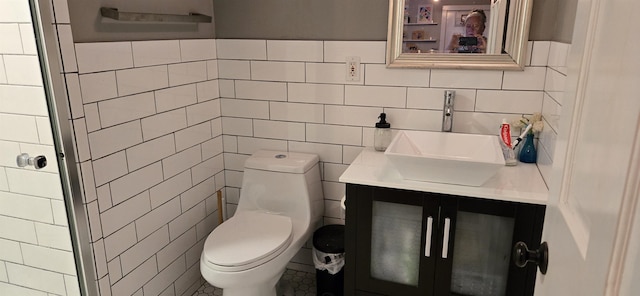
column 66, row 47
column 151, row 53
column 28, row 39
column 3, row 74
column 198, row 50
column 293, row 50
column 20, row 69
column 333, row 73
column 137, row 80
column 36, row 256
column 11, row 33
column 540, row 53
column 552, row 106
column 153, row 158
column 75, row 95
column 184, row 73
column 370, row 52
column 103, row 56
column 98, row 86
column 379, row 74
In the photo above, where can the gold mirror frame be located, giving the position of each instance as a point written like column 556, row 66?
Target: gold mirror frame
column 516, row 40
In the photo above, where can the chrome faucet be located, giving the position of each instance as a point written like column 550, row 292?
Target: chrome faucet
column 447, row 112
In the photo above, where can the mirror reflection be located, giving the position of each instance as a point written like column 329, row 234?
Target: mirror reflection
column 473, row 39
column 447, row 26
column 461, row 34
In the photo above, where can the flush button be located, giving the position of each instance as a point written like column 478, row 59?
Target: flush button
column 279, row 156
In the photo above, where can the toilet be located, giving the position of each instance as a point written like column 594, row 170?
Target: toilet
column 281, row 205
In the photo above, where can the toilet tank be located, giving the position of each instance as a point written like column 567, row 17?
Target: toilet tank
column 288, row 183
column 283, row 162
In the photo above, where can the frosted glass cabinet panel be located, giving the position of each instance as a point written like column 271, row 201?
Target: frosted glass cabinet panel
column 482, row 254
column 396, row 232
column 403, row 242
column 390, row 237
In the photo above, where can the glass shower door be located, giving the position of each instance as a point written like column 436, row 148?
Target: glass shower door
column 38, row 254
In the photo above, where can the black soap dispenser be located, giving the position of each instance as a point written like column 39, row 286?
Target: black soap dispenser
column 382, row 135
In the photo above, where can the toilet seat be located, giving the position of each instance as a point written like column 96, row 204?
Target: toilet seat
column 246, row 240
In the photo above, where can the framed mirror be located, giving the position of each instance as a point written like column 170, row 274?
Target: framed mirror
column 458, row 34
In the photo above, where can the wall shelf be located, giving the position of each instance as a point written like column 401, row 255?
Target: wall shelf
column 113, row 13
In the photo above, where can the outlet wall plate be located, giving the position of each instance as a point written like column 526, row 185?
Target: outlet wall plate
column 353, row 68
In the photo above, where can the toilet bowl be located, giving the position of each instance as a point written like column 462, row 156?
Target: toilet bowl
column 281, row 204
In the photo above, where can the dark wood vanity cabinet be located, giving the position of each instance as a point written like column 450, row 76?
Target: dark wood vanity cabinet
column 402, row 242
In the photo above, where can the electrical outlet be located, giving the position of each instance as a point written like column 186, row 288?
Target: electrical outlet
column 353, row 68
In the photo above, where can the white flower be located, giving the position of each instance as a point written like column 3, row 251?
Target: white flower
column 535, row 119
column 518, row 123
column 537, row 126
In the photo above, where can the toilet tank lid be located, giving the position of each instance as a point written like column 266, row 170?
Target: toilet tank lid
column 280, row 161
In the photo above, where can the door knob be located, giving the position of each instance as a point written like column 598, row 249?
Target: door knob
column 522, row 255
column 38, row 162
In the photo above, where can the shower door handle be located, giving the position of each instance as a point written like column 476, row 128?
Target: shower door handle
column 37, row 162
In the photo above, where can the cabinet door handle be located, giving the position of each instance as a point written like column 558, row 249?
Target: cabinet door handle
column 522, row 255
column 445, row 238
column 427, row 241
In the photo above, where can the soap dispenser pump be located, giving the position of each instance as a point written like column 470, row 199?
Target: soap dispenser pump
column 382, row 135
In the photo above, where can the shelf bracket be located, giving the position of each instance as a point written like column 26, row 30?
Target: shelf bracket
column 113, row 13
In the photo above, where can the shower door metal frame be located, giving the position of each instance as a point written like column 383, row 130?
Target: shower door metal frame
column 49, row 54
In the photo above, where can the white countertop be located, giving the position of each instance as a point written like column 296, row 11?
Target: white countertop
column 521, row 183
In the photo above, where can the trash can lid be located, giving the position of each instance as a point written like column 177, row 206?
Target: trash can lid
column 329, row 239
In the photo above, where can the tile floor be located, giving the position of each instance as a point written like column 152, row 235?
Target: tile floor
column 292, row 283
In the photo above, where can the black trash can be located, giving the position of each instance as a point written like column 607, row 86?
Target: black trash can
column 328, row 258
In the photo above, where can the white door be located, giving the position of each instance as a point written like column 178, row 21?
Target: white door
column 593, row 246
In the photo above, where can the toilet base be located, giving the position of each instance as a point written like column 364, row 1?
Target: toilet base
column 283, row 288
column 259, row 281
column 253, row 291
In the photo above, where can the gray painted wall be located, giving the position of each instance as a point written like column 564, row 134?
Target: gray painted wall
column 353, row 19
column 281, row 19
column 302, row 20
column 553, row 20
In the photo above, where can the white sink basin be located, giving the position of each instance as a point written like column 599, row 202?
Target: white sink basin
column 463, row 159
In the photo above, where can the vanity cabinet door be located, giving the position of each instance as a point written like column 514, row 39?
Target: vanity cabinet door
column 394, row 250
column 476, row 243
column 401, row 242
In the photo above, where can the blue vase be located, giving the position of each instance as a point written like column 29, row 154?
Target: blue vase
column 528, row 151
